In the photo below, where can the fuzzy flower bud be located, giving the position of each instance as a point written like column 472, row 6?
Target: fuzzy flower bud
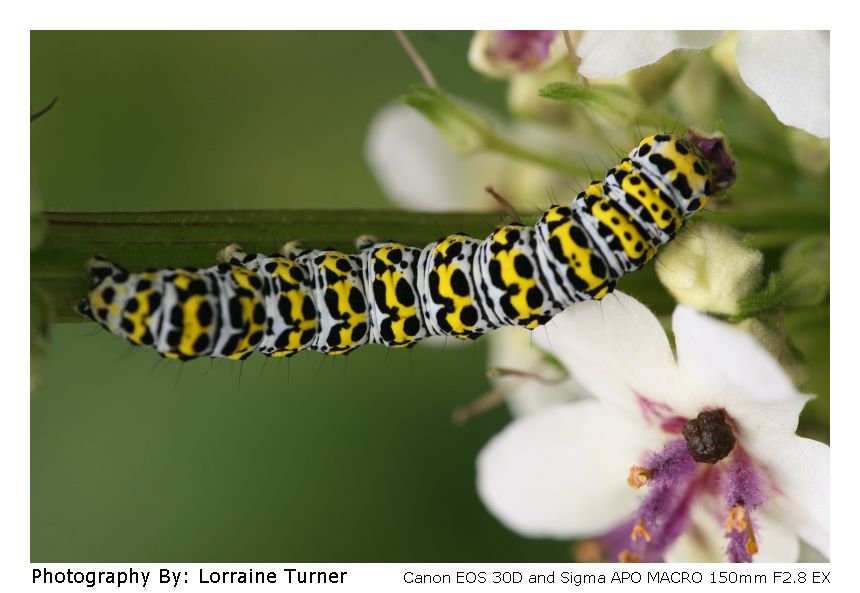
column 502, row 54
column 710, row 269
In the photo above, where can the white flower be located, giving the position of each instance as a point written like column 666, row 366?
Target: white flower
column 790, row 70
column 560, row 471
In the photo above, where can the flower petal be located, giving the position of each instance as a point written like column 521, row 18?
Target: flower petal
column 729, row 362
column 800, row 468
column 607, row 54
column 777, row 540
column 416, row 167
column 560, row 472
column 528, row 396
column 703, row 539
column 616, row 348
column 791, row 71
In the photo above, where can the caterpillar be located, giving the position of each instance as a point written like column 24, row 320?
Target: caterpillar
column 395, row 295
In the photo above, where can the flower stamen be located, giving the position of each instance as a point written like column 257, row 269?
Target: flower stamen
column 639, row 530
column 638, row 477
column 736, row 519
column 744, row 492
column 628, row 556
column 751, row 543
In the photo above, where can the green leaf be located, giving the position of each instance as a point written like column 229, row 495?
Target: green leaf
column 774, row 295
column 613, row 102
column 803, row 280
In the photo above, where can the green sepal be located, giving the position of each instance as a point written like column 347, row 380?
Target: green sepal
column 612, row 102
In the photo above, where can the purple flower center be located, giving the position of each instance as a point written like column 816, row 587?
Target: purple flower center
column 528, row 49
column 706, row 461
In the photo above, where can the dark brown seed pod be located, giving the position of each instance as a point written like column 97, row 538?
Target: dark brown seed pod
column 709, row 437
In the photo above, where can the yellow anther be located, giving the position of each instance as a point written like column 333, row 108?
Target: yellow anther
column 628, row 556
column 752, row 545
column 640, row 531
column 638, row 477
column 736, row 519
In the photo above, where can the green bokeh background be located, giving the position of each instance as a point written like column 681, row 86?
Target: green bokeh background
column 137, row 459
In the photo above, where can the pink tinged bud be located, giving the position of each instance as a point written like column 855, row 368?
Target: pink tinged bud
column 527, row 49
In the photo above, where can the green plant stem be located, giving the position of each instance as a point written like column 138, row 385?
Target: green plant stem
column 141, row 240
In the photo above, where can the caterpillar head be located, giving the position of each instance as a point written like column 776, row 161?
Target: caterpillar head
column 715, row 152
column 689, row 169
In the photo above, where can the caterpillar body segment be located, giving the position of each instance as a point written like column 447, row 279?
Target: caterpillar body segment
column 396, row 295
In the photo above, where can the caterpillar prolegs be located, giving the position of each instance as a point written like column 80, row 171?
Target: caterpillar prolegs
column 395, row 295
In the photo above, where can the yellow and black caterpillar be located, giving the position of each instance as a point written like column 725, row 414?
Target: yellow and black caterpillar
column 395, row 295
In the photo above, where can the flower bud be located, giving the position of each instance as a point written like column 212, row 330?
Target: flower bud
column 502, row 54
column 709, row 268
